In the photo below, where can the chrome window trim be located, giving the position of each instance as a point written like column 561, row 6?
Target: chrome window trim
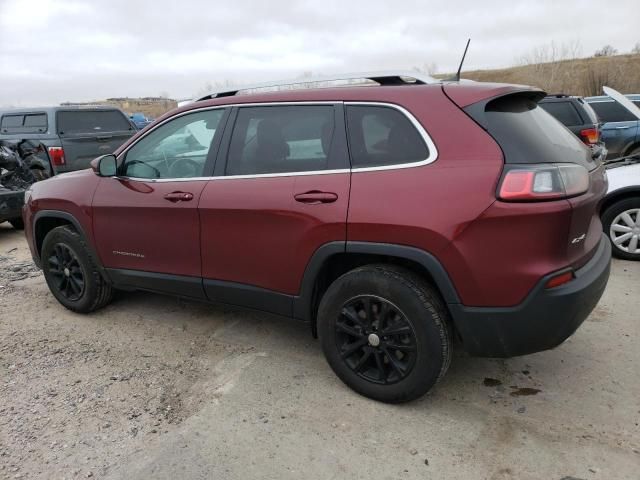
column 431, row 147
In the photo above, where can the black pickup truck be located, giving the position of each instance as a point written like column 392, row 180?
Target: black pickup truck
column 73, row 135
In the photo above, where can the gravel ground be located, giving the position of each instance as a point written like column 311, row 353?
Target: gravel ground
column 157, row 387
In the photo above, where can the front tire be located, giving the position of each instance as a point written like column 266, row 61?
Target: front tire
column 71, row 273
column 385, row 333
column 621, row 223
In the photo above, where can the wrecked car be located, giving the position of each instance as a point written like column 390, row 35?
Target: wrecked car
column 22, row 163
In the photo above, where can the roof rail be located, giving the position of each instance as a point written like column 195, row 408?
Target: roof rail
column 382, row 78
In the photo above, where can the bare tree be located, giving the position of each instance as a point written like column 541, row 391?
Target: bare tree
column 606, row 51
column 548, row 67
column 636, row 48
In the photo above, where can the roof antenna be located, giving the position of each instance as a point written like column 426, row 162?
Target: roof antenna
column 457, row 76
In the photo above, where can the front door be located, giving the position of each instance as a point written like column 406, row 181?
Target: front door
column 281, row 194
column 146, row 221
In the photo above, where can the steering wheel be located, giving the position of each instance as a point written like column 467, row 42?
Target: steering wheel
column 154, row 169
column 185, row 168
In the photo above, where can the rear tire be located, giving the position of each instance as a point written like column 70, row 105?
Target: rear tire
column 385, row 333
column 17, row 223
column 615, row 223
column 71, row 273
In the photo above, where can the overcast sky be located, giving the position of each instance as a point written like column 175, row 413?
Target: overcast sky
column 58, row 50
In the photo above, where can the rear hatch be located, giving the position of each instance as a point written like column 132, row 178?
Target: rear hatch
column 529, row 136
column 88, row 133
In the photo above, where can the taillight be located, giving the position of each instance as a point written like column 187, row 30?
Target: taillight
column 56, row 154
column 590, row 136
column 536, row 182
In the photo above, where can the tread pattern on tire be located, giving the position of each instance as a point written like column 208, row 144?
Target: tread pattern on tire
column 431, row 302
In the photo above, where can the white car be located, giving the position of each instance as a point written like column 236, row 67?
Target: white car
column 620, row 212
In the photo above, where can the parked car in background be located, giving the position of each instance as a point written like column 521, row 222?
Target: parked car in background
column 621, row 206
column 620, row 129
column 140, row 120
column 576, row 114
column 356, row 209
column 73, row 135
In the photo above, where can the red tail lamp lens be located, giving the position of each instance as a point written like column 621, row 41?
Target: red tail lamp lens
column 590, row 136
column 57, row 156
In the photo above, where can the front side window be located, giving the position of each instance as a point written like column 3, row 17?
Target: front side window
column 281, row 139
column 381, row 136
column 177, row 149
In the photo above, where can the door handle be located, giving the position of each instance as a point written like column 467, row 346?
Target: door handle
column 622, row 128
column 315, row 196
column 179, row 197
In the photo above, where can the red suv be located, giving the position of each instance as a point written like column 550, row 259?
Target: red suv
column 392, row 218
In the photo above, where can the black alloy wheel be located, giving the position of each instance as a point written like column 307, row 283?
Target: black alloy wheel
column 66, row 271
column 375, row 340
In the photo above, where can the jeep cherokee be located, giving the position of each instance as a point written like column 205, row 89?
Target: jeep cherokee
column 391, row 218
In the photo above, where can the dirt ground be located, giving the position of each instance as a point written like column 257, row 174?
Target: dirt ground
column 157, row 387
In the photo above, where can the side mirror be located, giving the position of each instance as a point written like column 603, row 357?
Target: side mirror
column 105, row 166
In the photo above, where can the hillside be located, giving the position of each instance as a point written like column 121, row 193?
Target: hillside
column 582, row 76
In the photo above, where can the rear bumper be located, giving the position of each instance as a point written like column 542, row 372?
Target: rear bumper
column 10, row 204
column 545, row 319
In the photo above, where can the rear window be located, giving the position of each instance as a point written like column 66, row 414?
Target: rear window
column 24, row 123
column 612, row 112
column 528, row 134
column 92, row 121
column 381, row 136
column 563, row 111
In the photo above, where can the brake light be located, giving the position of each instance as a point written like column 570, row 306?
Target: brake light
column 590, row 136
column 56, row 154
column 537, row 182
column 558, row 280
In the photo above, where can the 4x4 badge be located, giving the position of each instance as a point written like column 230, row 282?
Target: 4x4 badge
column 579, row 239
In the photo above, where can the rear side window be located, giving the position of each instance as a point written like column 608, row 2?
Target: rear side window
column 381, row 136
column 612, row 112
column 92, row 121
column 528, row 134
column 563, row 111
column 24, row 123
column 280, row 139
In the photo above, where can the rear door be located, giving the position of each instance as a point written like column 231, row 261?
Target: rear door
column 280, row 192
column 88, row 133
column 620, row 127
